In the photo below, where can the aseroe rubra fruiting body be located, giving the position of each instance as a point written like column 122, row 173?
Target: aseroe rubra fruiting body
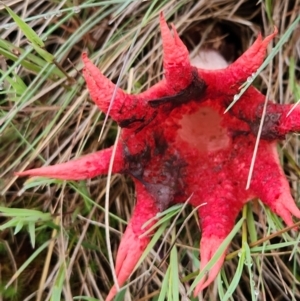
column 177, row 143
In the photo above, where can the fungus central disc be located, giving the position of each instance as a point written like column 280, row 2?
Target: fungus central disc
column 203, row 130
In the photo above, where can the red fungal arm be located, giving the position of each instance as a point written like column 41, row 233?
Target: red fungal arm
column 102, row 91
column 85, row 167
column 290, row 120
column 176, row 62
column 208, row 247
column 270, row 184
column 217, row 218
column 178, row 70
column 278, row 121
column 101, row 88
column 133, row 242
column 250, row 61
column 227, row 81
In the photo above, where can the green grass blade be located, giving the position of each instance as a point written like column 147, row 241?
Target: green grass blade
column 17, row 83
column 31, row 231
column 48, row 57
column 26, row 29
column 237, row 276
column 18, row 227
column 251, row 224
column 249, row 263
column 164, row 287
column 174, row 280
column 268, row 5
column 58, row 284
column 21, row 212
column 11, row 223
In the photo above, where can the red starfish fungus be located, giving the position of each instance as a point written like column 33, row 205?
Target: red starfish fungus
column 176, row 143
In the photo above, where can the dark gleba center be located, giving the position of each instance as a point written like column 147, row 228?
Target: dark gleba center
column 203, row 130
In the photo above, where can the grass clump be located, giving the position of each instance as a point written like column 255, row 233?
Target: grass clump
column 52, row 233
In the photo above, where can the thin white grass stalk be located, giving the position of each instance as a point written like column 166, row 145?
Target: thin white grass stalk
column 258, row 137
column 63, row 247
column 98, row 224
column 279, row 274
column 111, row 162
column 106, row 221
column 13, row 261
column 293, row 107
column 47, row 261
column 84, row 287
column 257, row 143
column 90, row 276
